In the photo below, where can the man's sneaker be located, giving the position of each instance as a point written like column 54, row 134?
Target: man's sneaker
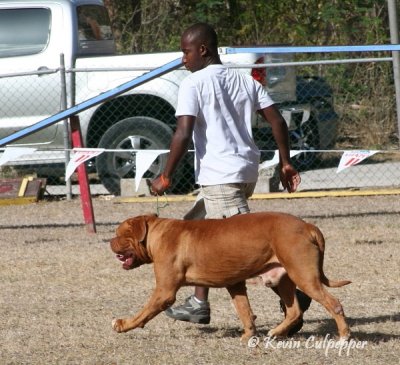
column 191, row 311
column 304, row 303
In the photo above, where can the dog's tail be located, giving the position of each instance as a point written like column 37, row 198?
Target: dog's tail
column 333, row 283
column 320, row 242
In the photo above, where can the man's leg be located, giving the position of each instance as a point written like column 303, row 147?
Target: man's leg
column 216, row 201
column 196, row 308
column 304, row 303
column 201, row 293
column 223, row 201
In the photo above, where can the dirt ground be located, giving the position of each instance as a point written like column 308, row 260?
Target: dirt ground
column 61, row 287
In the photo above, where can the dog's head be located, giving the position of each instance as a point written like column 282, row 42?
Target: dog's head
column 130, row 242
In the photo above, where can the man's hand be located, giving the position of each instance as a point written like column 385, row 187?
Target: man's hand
column 290, row 178
column 159, row 185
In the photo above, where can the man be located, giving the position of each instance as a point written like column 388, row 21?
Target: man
column 215, row 108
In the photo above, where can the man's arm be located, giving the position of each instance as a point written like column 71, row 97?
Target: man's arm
column 178, row 148
column 290, row 178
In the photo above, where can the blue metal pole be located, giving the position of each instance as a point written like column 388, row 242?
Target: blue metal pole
column 313, row 49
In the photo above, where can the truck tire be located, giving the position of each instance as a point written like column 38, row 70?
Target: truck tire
column 131, row 133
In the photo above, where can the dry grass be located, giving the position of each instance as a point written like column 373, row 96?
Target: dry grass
column 61, row 287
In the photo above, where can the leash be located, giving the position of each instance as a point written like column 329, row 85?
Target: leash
column 158, row 204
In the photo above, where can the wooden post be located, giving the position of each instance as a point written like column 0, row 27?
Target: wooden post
column 84, row 187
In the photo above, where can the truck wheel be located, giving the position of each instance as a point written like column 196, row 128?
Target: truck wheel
column 131, row 133
column 305, row 138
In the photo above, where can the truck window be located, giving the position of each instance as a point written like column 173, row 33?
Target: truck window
column 94, row 30
column 23, row 31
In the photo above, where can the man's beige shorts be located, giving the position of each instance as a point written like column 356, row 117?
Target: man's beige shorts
column 221, row 201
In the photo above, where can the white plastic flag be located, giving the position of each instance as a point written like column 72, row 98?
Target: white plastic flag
column 12, row 153
column 80, row 156
column 144, row 159
column 351, row 158
column 275, row 160
column 269, row 163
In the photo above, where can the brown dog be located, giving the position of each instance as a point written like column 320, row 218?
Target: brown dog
column 283, row 249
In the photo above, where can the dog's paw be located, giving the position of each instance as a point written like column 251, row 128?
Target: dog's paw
column 246, row 337
column 117, row 325
column 345, row 338
column 274, row 333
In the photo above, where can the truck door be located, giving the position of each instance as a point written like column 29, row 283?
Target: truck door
column 27, row 44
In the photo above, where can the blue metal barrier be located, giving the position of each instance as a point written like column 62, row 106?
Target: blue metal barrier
column 92, row 102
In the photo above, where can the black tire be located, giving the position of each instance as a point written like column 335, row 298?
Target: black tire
column 306, row 137
column 131, row 133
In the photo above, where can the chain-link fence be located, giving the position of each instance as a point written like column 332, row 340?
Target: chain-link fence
column 337, row 107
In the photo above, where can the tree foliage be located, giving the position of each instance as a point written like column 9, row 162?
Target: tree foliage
column 154, row 25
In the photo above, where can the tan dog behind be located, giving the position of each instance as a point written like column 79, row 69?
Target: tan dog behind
column 224, row 253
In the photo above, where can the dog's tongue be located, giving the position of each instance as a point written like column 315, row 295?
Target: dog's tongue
column 127, row 261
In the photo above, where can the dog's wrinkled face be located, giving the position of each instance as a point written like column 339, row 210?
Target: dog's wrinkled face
column 129, row 243
column 125, row 255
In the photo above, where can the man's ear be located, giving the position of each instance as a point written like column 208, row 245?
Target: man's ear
column 204, row 50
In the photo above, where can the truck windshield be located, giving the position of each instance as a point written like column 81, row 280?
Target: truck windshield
column 23, row 31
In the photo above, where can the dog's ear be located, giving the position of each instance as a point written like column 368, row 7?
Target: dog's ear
column 138, row 226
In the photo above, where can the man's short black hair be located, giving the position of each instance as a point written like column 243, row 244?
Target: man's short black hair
column 203, row 33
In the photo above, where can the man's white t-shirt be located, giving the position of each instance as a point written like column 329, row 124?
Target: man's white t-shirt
column 223, row 101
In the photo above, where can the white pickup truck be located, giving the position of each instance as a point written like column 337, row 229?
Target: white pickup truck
column 33, row 35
